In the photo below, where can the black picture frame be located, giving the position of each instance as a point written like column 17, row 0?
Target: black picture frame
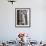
column 22, row 17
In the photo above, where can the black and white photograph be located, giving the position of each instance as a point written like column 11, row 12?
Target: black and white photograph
column 22, row 17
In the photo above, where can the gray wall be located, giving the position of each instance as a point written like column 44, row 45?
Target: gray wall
column 8, row 31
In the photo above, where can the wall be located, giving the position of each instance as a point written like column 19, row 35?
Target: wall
column 37, row 31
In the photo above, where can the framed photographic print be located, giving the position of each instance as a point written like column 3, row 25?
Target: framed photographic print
column 22, row 17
